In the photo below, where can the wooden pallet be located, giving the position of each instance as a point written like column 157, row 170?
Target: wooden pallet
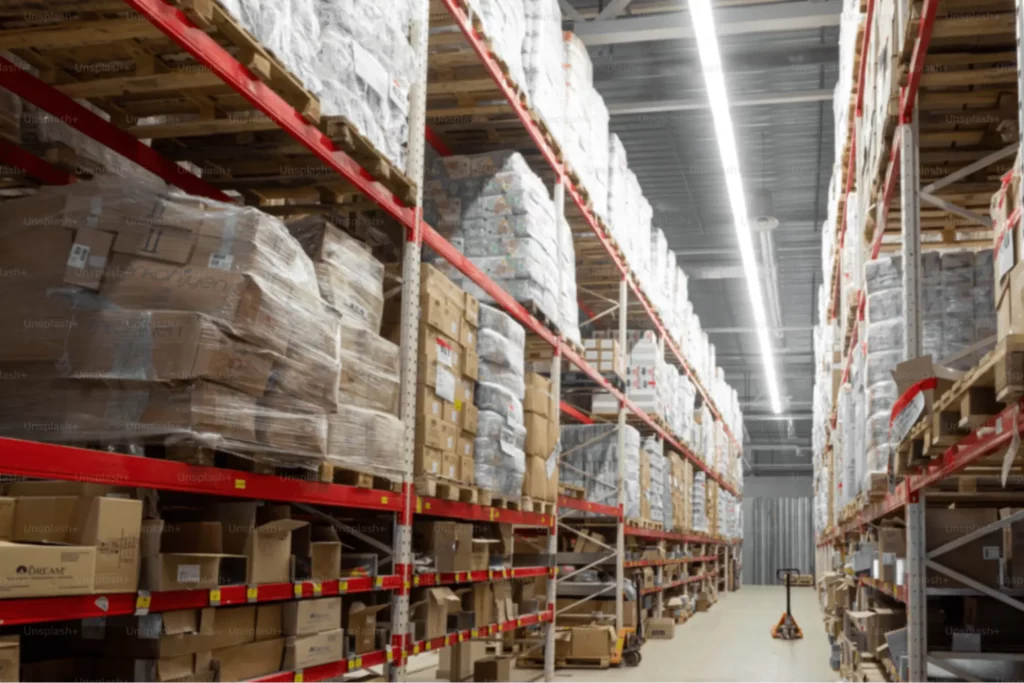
column 506, row 503
column 296, row 467
column 542, row 507
column 646, row 524
column 973, row 400
column 570, row 491
column 106, row 54
column 801, row 580
column 430, row 486
column 333, row 473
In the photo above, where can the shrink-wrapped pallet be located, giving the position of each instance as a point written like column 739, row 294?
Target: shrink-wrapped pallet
column 542, row 63
column 656, row 492
column 590, row 460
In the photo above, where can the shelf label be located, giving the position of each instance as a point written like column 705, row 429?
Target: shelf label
column 240, row 484
column 445, row 384
column 474, row 633
column 357, row 663
column 908, row 409
column 142, row 602
column 299, row 678
column 342, row 586
column 297, row 589
column 391, row 655
column 1004, row 252
column 318, row 589
column 427, row 646
column 416, row 580
column 462, row 636
column 215, row 597
column 379, row 582
column 416, row 649
column 252, row 594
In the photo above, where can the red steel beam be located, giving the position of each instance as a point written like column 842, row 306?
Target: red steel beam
column 574, row 413
column 33, row 166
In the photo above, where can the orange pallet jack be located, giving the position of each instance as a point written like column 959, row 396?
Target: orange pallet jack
column 787, row 628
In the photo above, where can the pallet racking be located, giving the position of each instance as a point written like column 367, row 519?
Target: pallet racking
column 182, row 23
column 940, row 49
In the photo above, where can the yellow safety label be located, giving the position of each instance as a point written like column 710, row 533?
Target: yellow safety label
column 297, row 590
column 474, row 634
column 380, row 582
column 240, row 484
column 415, row 580
column 427, row 646
column 419, row 504
column 214, row 596
column 383, row 500
column 416, row 649
column 318, row 588
column 462, row 636
column 342, row 586
column 391, row 655
column 252, row 593
column 143, row 601
column 357, row 663
column 299, row 678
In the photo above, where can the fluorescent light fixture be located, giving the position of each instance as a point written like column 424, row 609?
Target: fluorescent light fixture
column 714, row 82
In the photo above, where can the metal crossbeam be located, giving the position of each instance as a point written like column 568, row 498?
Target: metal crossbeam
column 976, row 585
column 958, row 210
column 976, row 534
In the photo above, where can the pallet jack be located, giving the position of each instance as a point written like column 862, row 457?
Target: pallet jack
column 787, row 628
column 630, row 640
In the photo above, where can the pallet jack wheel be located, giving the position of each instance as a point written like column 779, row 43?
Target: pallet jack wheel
column 632, row 657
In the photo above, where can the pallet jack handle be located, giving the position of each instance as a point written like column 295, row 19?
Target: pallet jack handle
column 783, row 575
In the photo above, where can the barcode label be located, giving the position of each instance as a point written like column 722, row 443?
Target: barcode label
column 221, row 261
column 79, row 256
column 188, row 573
column 445, row 384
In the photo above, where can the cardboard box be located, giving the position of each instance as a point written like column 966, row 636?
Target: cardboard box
column 439, row 601
column 912, row 371
column 112, row 525
column 451, row 414
column 317, row 551
column 467, row 471
column 495, row 668
column 1010, row 307
column 468, row 334
column 427, row 460
column 175, row 346
column 451, row 464
column 303, row 617
column 439, row 355
column 470, row 418
column 470, row 364
column 892, row 550
column 187, row 556
column 440, row 314
column 536, row 482
column 302, row 652
column 263, row 535
column 456, row 661
column 6, row 518
column 250, row 660
column 538, row 395
column 183, row 632
column 592, row 642
column 362, row 626
column 433, row 280
column 88, row 258
column 10, row 658
column 428, row 403
column 471, row 309
column 980, row 559
column 269, row 621
column 450, row 545
column 28, row 571
column 661, row 628
column 537, row 435
column 437, row 433
column 481, row 554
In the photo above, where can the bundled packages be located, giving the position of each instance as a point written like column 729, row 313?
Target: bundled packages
column 153, row 317
column 590, row 461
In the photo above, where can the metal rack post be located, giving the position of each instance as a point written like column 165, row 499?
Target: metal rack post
column 411, row 253
column 620, row 538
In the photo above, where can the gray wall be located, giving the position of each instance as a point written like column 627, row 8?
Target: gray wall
column 782, row 486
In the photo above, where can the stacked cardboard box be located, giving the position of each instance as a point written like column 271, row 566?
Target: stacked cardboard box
column 148, row 316
column 89, row 537
column 542, row 437
column 1007, row 248
column 699, row 500
column 446, row 417
column 605, row 356
column 502, row 435
column 681, row 488
column 226, row 644
column 313, row 633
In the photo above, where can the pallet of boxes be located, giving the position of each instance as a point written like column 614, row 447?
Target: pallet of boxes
column 541, row 406
column 447, row 369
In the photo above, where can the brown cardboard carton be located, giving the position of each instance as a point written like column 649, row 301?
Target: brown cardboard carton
column 538, row 395
column 537, row 435
column 470, row 364
column 440, row 601
column 263, row 535
column 481, row 554
column 183, row 632
column 471, row 309
column 428, row 403
column 470, row 418
column 6, row 518
column 87, row 259
column 303, row 617
column 535, row 483
column 10, row 657
column 456, row 662
column 440, row 314
column 892, row 547
column 202, row 407
column 433, row 280
column 317, row 551
column 504, row 605
column 480, row 600
column 362, row 626
column 465, row 445
column 1010, row 308
column 450, row 466
column 448, row 543
column 430, row 431
column 467, row 334
column 467, row 470
column 980, row 559
column 427, row 460
column 451, row 414
column 164, row 346
column 302, row 652
column 439, row 353
column 493, row 668
column 190, row 667
column 661, row 628
column 111, row 525
column 912, row 371
column 28, row 570
column 187, row 556
column 269, row 621
column 249, row 660
column 592, row 642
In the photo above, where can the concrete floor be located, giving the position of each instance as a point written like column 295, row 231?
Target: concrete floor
column 731, row 642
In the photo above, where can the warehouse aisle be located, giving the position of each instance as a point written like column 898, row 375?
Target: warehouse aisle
column 729, row 643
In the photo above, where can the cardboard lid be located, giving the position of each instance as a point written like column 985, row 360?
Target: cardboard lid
column 280, row 527
column 359, row 609
column 443, row 596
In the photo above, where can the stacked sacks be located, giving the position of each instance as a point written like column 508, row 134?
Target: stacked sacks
column 501, row 431
column 505, row 25
column 585, row 135
column 542, row 62
column 497, row 212
column 655, row 492
column 569, row 312
column 156, row 318
column 354, row 55
column 883, row 281
column 699, row 500
column 590, row 460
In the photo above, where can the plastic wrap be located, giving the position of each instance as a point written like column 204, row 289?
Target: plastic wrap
column 498, row 399
column 349, row 277
column 589, row 460
column 499, row 456
column 368, row 441
column 699, row 502
column 213, row 334
column 585, row 134
column 505, row 325
column 655, row 493
column 504, row 23
column 497, row 211
column 354, row 55
column 542, row 62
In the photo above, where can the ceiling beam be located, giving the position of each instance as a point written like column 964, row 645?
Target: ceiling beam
column 731, row 21
column 616, row 70
column 739, row 330
column 661, row 106
column 613, row 10
column 570, row 11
